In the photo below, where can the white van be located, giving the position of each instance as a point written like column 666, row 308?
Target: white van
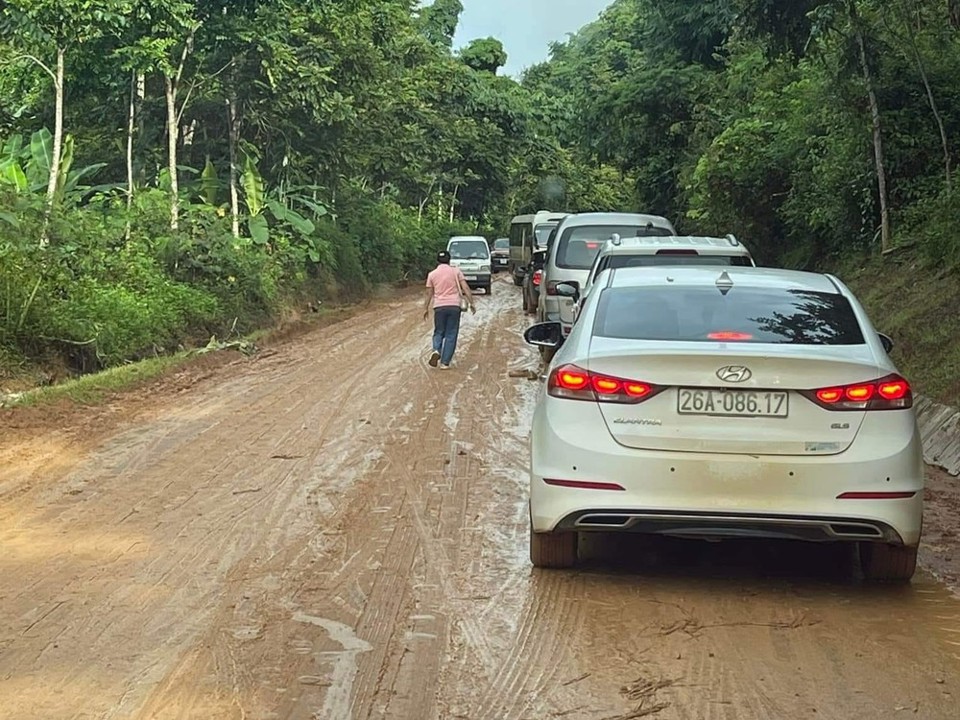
column 575, row 246
column 527, row 234
column 471, row 254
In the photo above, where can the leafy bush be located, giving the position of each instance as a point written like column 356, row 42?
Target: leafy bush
column 113, row 285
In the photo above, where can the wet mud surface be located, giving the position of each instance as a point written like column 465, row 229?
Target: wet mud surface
column 333, row 530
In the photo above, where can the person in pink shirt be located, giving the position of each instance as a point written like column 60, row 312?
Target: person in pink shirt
column 445, row 286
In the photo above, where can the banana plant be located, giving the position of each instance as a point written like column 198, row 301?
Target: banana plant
column 26, row 169
column 209, row 184
column 254, row 194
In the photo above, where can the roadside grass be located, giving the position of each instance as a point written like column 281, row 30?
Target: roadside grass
column 918, row 305
column 92, row 389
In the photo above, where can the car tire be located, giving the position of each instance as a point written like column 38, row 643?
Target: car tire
column 553, row 549
column 887, row 563
column 489, row 288
column 518, row 281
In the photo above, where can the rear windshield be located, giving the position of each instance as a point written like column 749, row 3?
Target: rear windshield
column 542, row 232
column 624, row 261
column 744, row 314
column 578, row 246
column 469, row 250
column 502, row 244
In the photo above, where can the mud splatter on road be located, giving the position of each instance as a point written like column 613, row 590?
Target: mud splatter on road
column 335, row 530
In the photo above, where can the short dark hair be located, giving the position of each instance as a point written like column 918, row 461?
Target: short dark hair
column 443, row 257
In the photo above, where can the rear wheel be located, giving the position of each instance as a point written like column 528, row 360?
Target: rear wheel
column 887, row 563
column 517, row 279
column 553, row 549
column 488, row 289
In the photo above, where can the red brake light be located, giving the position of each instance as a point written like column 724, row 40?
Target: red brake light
column 570, row 378
column 537, row 277
column 638, row 389
column 729, row 335
column 860, row 393
column 889, row 393
column 893, row 389
column 830, row 395
column 574, row 383
column 592, row 245
column 605, row 385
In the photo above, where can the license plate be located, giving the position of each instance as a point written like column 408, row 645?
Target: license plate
column 736, row 403
column 470, row 277
column 501, row 261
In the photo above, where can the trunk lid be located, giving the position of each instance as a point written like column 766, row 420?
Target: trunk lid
column 710, row 405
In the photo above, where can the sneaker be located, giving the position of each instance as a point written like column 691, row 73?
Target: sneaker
column 444, row 367
column 434, row 359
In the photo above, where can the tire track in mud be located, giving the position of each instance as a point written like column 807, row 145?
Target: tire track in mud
column 336, row 530
column 185, row 566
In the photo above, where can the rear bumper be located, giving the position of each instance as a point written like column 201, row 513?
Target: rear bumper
column 731, row 525
column 721, row 495
column 478, row 280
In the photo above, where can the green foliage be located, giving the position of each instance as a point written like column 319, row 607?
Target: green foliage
column 439, row 20
column 752, row 117
column 484, row 55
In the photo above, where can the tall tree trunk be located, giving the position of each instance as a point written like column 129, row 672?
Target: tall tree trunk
column 173, row 131
column 885, row 236
column 934, row 108
column 57, row 128
column 453, row 201
column 57, row 151
column 131, row 130
column 234, row 131
column 916, row 56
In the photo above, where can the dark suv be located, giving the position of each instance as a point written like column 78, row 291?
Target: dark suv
column 500, row 254
column 530, row 285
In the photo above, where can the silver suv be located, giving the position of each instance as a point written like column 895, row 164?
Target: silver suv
column 576, row 242
column 619, row 253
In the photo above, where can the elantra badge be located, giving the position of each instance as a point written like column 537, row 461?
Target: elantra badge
column 734, row 373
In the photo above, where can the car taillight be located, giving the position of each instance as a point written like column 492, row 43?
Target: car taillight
column 574, row 383
column 537, row 277
column 889, row 393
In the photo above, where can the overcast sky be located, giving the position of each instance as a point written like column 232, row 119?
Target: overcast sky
column 526, row 27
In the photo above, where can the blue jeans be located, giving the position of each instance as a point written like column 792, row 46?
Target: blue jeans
column 446, row 328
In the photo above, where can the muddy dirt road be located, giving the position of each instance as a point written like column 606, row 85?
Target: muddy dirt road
column 334, row 531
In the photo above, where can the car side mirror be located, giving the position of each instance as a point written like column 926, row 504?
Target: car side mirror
column 546, row 334
column 887, row 342
column 568, row 290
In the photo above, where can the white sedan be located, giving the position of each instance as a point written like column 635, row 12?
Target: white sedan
column 717, row 403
